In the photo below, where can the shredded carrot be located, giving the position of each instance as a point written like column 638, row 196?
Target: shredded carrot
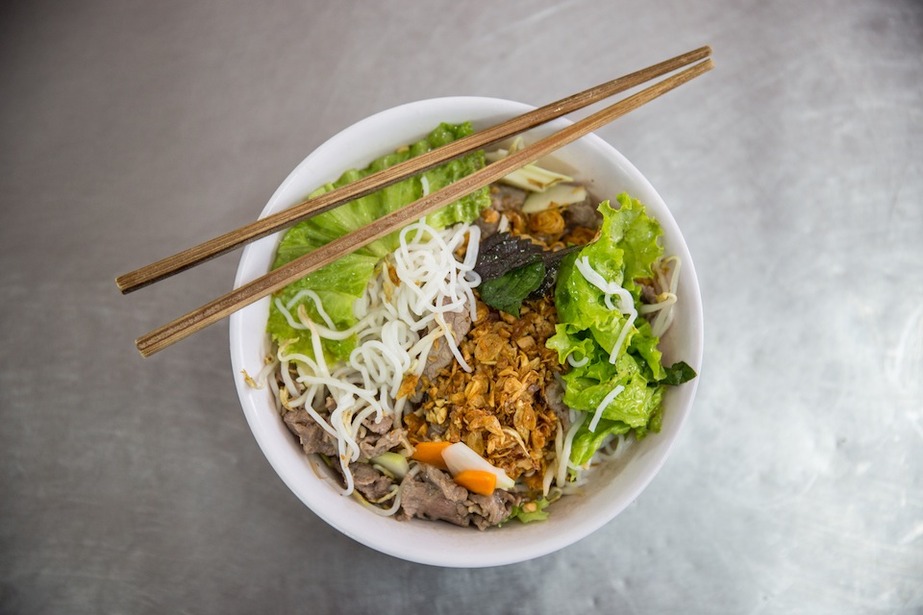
column 477, row 481
column 431, row 453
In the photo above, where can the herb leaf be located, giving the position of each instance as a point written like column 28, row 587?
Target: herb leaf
column 677, row 374
column 508, row 291
column 552, row 262
column 502, row 252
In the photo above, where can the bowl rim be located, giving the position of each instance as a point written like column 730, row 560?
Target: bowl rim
column 550, row 542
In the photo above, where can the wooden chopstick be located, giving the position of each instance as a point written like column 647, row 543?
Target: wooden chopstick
column 222, row 244
column 279, row 278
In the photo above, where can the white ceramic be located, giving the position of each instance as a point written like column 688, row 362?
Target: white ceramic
column 613, row 487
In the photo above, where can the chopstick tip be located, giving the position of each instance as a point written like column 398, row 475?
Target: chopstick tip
column 127, row 283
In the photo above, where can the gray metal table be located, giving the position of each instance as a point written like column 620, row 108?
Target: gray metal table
column 131, row 130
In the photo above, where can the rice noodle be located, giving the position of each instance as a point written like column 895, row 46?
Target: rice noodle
column 611, row 395
column 626, row 302
column 564, row 457
column 615, row 448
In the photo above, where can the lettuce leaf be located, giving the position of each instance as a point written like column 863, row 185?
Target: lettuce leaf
column 625, row 251
column 587, row 442
column 342, row 282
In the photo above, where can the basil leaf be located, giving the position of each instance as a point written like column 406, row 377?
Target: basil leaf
column 677, row 374
column 507, row 292
column 552, row 262
column 503, row 252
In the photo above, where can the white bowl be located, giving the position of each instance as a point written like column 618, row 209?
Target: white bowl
column 613, row 486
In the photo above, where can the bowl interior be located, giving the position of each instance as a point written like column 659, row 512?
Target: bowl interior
column 613, row 486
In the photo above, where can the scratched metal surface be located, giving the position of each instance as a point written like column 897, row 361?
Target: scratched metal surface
column 131, row 130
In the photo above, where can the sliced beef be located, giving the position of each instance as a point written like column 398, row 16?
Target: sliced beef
column 459, row 322
column 444, row 483
column 554, row 397
column 428, row 496
column 373, row 438
column 373, row 444
column 433, row 495
column 487, row 510
column 441, row 354
column 377, row 438
column 582, row 214
column 378, row 426
column 372, row 484
column 506, row 198
column 312, row 436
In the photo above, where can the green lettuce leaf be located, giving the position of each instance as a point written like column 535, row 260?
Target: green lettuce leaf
column 583, row 392
column 587, row 442
column 629, row 244
column 570, row 340
column 624, row 253
column 342, row 282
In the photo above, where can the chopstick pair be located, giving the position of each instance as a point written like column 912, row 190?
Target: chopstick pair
column 218, row 309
